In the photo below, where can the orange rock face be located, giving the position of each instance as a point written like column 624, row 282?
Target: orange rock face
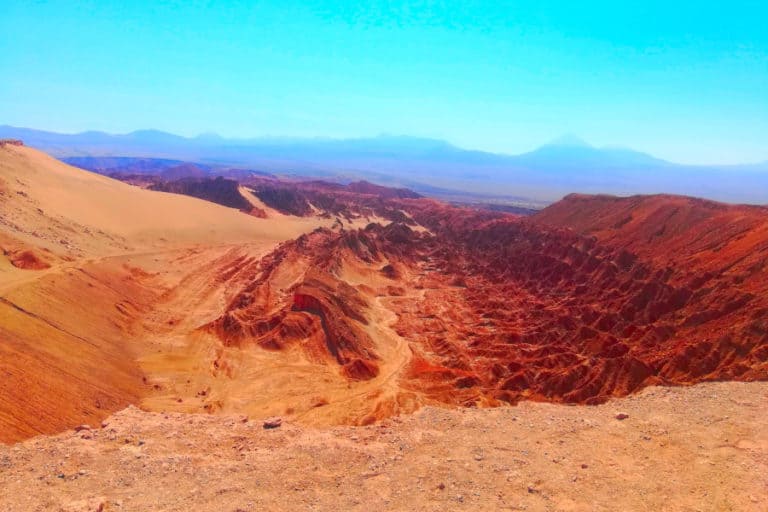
column 28, row 260
column 510, row 308
column 544, row 313
column 297, row 300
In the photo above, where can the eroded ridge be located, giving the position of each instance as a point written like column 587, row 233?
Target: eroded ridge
column 299, row 297
column 498, row 308
column 543, row 313
column 352, row 303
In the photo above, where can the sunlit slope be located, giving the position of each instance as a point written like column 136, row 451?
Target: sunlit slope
column 70, row 293
column 51, row 204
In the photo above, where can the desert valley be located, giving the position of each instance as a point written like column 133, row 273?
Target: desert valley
column 327, row 255
column 451, row 355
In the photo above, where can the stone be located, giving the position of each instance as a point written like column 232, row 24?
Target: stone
column 274, row 422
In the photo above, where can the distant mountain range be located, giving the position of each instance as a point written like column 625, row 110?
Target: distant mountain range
column 428, row 166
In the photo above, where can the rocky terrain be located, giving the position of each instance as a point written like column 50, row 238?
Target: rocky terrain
column 701, row 448
column 219, row 190
column 495, row 308
column 332, row 306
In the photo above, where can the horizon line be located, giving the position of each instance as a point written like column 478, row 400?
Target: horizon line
column 577, row 141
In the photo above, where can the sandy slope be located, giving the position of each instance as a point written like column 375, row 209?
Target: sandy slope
column 114, row 319
column 70, row 347
column 46, row 197
column 702, row 448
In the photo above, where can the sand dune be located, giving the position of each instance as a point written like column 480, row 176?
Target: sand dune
column 44, row 198
column 70, row 347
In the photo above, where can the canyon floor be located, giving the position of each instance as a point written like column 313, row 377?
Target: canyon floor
column 699, row 448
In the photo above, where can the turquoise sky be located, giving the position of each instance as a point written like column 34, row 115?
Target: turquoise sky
column 686, row 81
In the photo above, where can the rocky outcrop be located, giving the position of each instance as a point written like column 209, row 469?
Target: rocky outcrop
column 356, row 200
column 28, row 260
column 545, row 313
column 217, row 190
column 317, row 311
column 500, row 308
column 284, row 199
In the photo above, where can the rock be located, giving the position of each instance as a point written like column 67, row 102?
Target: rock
column 99, row 504
column 28, row 260
column 621, row 416
column 80, row 428
column 584, row 466
column 274, row 422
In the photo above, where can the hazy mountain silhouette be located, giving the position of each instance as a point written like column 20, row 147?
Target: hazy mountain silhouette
column 567, row 164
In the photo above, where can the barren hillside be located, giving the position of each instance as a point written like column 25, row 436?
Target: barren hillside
column 351, row 304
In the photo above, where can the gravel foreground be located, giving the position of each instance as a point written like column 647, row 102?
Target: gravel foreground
column 700, row 448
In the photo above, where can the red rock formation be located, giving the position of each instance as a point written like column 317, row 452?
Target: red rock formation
column 283, row 198
column 356, row 200
column 497, row 308
column 217, row 190
column 317, row 310
column 549, row 314
column 669, row 230
column 28, row 260
column 257, row 212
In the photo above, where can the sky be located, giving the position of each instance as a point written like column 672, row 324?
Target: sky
column 685, row 81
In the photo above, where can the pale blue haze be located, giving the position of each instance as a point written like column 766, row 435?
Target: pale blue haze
column 685, row 81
